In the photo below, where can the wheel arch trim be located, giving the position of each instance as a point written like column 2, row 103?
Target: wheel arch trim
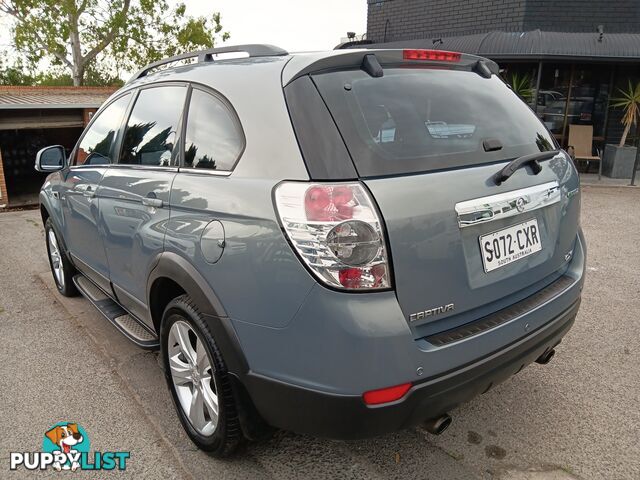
column 173, row 266
column 55, row 221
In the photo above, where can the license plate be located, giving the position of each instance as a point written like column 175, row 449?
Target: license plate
column 510, row 244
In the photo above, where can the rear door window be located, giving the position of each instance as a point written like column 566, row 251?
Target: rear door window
column 213, row 139
column 424, row 119
column 151, row 129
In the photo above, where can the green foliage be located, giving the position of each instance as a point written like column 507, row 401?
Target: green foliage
column 17, row 74
column 92, row 39
column 521, row 85
column 14, row 74
column 629, row 100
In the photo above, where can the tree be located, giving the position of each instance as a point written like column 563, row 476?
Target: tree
column 13, row 74
column 81, row 35
column 521, row 84
column 629, row 101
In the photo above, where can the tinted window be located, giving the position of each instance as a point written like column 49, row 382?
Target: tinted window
column 213, row 139
column 413, row 120
column 97, row 144
column 151, row 129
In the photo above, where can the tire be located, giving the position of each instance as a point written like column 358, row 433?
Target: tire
column 61, row 268
column 182, row 320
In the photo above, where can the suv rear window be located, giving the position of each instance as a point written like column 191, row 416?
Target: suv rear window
column 422, row 119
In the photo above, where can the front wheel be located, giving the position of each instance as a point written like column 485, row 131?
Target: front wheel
column 61, row 267
column 197, row 378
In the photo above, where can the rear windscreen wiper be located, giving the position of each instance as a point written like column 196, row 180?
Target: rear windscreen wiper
column 534, row 160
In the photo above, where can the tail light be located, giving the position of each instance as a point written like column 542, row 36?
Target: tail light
column 437, row 55
column 336, row 231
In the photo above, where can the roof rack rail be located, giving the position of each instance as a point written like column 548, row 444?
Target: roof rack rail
column 254, row 50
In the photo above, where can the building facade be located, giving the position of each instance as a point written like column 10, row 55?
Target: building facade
column 392, row 20
column 569, row 57
column 32, row 118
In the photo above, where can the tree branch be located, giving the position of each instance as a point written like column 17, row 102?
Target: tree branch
column 107, row 39
column 7, row 8
column 82, row 7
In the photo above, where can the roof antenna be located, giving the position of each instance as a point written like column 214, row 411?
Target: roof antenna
column 600, row 32
column 437, row 41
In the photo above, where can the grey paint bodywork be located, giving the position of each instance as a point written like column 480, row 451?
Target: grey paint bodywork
column 80, row 226
column 289, row 327
column 133, row 233
column 436, row 261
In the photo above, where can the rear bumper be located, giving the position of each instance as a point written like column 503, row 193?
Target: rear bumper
column 309, row 411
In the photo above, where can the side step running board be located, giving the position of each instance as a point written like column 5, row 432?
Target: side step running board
column 128, row 325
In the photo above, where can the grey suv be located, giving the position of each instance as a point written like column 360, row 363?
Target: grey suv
column 343, row 243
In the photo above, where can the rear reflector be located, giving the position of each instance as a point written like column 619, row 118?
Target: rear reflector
column 386, row 395
column 438, row 55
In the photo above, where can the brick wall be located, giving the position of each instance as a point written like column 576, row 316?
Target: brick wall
column 617, row 16
column 4, row 198
column 87, row 114
column 411, row 19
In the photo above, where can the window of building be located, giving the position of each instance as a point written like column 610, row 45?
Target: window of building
column 573, row 94
column 97, row 144
column 588, row 101
column 213, row 138
column 552, row 97
column 151, row 130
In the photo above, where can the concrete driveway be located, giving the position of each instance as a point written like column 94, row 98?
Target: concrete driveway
column 578, row 417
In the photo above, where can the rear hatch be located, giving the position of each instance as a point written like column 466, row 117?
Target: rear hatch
column 428, row 140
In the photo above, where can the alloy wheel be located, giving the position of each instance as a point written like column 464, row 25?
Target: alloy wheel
column 193, row 377
column 56, row 258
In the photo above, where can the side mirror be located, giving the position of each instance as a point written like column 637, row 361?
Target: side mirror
column 51, row 159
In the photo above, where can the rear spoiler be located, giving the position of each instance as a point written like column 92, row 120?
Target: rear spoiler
column 301, row 65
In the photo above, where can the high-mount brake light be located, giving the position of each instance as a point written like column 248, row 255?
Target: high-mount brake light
column 437, row 55
column 336, row 231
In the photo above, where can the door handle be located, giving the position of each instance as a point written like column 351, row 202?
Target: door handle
column 152, row 202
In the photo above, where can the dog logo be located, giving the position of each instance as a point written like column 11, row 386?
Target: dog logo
column 67, row 439
column 65, row 446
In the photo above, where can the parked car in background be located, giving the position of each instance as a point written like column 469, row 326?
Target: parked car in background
column 340, row 243
column 552, row 105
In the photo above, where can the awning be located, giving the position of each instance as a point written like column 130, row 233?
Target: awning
column 19, row 97
column 534, row 45
column 39, row 120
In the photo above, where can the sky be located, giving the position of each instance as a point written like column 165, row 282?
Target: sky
column 295, row 25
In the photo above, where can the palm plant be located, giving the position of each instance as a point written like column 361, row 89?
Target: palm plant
column 521, row 85
column 630, row 102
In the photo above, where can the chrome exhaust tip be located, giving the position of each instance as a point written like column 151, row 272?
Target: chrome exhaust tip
column 438, row 425
column 546, row 357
